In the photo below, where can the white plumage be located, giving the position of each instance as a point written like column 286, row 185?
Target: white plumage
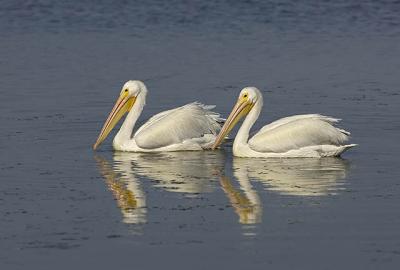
column 308, row 135
column 190, row 127
column 296, row 132
column 174, row 126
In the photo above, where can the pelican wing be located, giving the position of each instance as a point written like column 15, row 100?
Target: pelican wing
column 193, row 120
column 298, row 131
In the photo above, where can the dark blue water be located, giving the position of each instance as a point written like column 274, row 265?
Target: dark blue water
column 63, row 206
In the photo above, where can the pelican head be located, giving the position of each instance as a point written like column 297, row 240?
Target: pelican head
column 126, row 100
column 248, row 97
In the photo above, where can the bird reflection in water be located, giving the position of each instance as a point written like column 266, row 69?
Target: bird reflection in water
column 247, row 205
column 295, row 176
column 292, row 177
column 126, row 189
column 192, row 173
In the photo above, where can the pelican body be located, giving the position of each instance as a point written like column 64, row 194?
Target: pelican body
column 190, row 127
column 307, row 135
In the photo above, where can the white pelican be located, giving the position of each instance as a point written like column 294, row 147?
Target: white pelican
column 308, row 135
column 190, row 127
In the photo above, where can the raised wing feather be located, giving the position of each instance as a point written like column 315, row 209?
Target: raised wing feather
column 298, row 131
column 174, row 126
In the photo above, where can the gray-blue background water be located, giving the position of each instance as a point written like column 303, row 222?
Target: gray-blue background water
column 63, row 206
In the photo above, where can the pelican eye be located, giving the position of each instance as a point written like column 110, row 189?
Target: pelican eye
column 245, row 95
column 126, row 90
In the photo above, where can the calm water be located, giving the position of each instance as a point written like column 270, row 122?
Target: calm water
column 63, row 206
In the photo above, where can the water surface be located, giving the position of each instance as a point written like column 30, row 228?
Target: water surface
column 64, row 206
